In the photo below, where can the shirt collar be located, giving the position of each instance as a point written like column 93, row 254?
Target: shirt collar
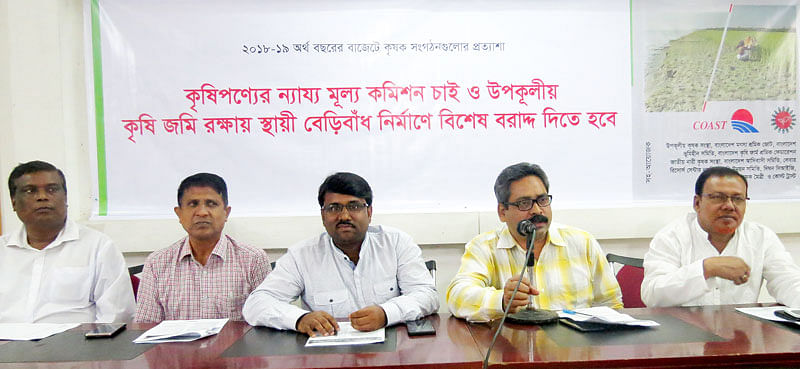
column 68, row 233
column 554, row 235
column 339, row 253
column 219, row 249
column 695, row 224
column 506, row 241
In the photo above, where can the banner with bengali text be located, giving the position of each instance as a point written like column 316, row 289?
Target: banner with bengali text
column 619, row 101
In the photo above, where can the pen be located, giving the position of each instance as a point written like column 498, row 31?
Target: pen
column 573, row 312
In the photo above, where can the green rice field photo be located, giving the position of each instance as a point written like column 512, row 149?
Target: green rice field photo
column 755, row 64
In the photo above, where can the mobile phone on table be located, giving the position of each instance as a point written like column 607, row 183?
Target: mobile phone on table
column 584, row 326
column 420, row 327
column 789, row 314
column 795, row 313
column 105, row 330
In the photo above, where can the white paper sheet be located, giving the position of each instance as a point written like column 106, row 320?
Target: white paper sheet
column 348, row 335
column 605, row 315
column 181, row 330
column 32, row 331
column 767, row 313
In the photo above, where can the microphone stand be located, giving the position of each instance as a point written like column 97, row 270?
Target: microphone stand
column 530, row 263
column 530, row 315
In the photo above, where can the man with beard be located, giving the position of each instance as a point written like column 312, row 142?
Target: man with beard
column 713, row 256
column 571, row 270
column 372, row 275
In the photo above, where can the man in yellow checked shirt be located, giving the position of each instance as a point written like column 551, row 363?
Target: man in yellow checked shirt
column 571, row 270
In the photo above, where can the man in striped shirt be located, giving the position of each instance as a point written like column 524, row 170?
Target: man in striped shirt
column 206, row 275
column 571, row 270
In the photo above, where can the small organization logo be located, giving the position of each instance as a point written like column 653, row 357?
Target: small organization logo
column 783, row 119
column 742, row 121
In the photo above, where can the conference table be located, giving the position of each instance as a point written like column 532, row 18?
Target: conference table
column 687, row 337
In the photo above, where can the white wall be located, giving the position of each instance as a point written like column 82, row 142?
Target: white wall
column 43, row 116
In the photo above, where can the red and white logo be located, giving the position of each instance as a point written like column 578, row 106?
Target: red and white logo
column 783, row 119
column 742, row 121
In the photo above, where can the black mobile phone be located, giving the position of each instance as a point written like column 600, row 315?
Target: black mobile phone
column 793, row 312
column 420, row 327
column 789, row 314
column 105, row 330
column 584, row 326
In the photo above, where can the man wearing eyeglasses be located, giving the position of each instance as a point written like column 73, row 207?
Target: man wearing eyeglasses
column 571, row 270
column 713, row 256
column 372, row 275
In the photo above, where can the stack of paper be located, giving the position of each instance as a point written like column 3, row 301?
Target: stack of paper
column 181, row 330
column 767, row 313
column 605, row 315
column 32, row 331
column 347, row 335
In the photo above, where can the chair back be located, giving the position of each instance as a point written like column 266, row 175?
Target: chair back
column 133, row 271
column 629, row 277
column 431, row 265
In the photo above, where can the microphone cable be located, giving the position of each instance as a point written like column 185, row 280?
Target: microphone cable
column 508, row 308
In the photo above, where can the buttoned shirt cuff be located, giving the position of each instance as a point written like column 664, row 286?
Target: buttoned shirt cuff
column 697, row 270
column 292, row 316
column 393, row 313
column 490, row 311
column 495, row 311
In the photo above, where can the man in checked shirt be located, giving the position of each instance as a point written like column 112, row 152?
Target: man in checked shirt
column 206, row 275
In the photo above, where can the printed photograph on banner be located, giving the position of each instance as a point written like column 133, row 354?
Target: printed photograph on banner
column 733, row 53
column 715, row 84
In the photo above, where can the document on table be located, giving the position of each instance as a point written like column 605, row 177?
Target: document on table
column 32, row 331
column 604, row 315
column 181, row 330
column 767, row 313
column 347, row 335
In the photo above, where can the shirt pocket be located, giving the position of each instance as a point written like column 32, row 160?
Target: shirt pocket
column 333, row 302
column 71, row 284
column 385, row 290
column 230, row 306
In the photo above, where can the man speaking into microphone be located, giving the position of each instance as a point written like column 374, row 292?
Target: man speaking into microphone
column 571, row 270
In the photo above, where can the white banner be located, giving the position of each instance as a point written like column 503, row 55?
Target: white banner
column 426, row 100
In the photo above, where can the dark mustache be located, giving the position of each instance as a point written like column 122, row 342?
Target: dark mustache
column 539, row 218
column 345, row 222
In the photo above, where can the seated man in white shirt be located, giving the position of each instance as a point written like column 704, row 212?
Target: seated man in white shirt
column 52, row 269
column 714, row 256
column 372, row 275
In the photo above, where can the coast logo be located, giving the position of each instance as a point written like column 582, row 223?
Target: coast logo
column 783, row 119
column 742, row 121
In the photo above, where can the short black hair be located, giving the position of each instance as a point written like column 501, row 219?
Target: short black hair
column 33, row 167
column 347, row 184
column 716, row 172
column 502, row 186
column 204, row 180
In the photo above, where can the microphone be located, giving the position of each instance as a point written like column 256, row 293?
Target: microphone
column 526, row 227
